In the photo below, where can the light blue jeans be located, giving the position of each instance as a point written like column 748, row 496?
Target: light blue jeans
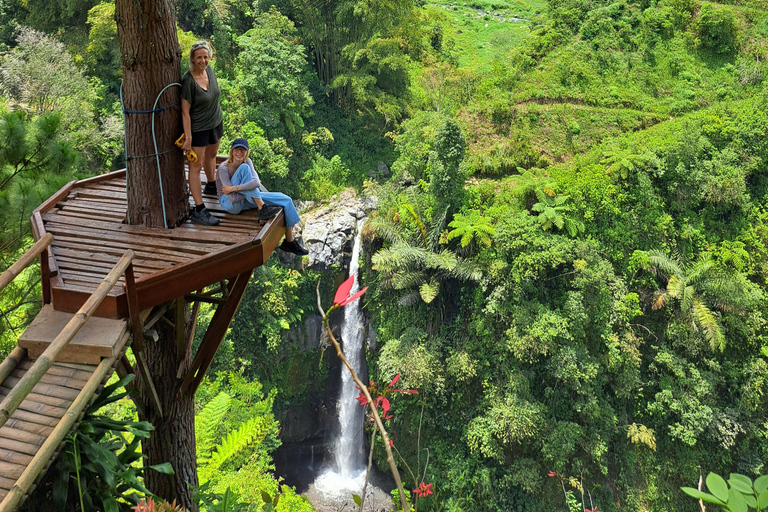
column 243, row 176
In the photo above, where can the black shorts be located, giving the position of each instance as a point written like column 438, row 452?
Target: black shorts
column 207, row 137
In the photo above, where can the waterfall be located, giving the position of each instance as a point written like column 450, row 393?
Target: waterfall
column 349, row 473
column 349, row 445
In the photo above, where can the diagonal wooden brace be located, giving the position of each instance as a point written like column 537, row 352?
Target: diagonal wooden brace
column 138, row 342
column 215, row 334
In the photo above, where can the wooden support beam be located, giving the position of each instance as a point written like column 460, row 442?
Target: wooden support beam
column 123, row 368
column 146, row 379
column 156, row 315
column 215, row 334
column 183, row 365
column 193, row 297
column 45, row 276
column 133, row 309
column 181, row 328
column 137, row 346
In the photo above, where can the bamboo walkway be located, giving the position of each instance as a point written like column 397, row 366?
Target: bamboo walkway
column 102, row 280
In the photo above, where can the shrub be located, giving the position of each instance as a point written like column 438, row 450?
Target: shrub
column 717, row 28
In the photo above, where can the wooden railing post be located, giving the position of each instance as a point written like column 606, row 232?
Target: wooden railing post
column 48, row 357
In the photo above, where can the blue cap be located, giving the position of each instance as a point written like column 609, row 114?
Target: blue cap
column 240, row 143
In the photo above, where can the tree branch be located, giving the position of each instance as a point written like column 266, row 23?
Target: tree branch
column 371, row 404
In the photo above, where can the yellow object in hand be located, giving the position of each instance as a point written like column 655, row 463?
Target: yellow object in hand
column 191, row 155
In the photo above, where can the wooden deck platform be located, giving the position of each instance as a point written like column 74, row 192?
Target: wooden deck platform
column 86, row 220
column 102, row 280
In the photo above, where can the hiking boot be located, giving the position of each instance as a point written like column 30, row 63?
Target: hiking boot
column 210, row 188
column 293, row 246
column 204, row 217
column 268, row 211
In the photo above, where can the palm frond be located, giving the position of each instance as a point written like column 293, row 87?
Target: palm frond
column 663, row 262
column 407, row 280
column 386, row 229
column 708, row 322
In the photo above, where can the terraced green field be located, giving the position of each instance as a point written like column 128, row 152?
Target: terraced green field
column 482, row 31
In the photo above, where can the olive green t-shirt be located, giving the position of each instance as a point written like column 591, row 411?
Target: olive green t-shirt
column 204, row 111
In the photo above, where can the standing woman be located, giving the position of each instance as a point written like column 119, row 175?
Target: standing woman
column 203, row 126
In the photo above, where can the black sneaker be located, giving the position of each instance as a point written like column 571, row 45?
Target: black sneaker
column 210, row 188
column 268, row 211
column 294, row 247
column 204, row 217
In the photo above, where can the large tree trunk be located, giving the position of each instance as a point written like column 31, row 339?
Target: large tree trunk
column 151, row 61
column 173, row 439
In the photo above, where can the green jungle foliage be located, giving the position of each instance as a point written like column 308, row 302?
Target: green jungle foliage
column 99, row 468
column 235, row 431
column 568, row 260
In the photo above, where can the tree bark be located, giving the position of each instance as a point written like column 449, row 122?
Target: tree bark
column 151, row 60
column 173, row 439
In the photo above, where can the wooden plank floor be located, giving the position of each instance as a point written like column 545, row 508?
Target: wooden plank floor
column 87, row 222
column 29, row 426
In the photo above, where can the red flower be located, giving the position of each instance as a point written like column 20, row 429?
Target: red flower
column 394, row 381
column 361, row 398
column 552, row 473
column 423, row 490
column 342, row 297
column 591, row 509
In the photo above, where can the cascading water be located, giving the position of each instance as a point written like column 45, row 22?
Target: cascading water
column 349, row 473
column 349, row 445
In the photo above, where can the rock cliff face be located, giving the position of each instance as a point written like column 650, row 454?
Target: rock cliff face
column 329, row 230
column 308, row 428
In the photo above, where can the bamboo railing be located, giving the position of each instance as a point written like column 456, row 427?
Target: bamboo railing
column 49, row 447
column 19, row 392
column 28, row 257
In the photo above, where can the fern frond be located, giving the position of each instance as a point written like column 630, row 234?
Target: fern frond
column 206, row 423
column 252, row 431
column 409, row 299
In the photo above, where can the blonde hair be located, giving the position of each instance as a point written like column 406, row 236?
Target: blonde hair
column 231, row 159
column 199, row 45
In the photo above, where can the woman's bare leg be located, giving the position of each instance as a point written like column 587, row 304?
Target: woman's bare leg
column 209, row 161
column 195, row 186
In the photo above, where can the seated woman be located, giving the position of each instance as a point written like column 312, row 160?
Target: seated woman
column 239, row 188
